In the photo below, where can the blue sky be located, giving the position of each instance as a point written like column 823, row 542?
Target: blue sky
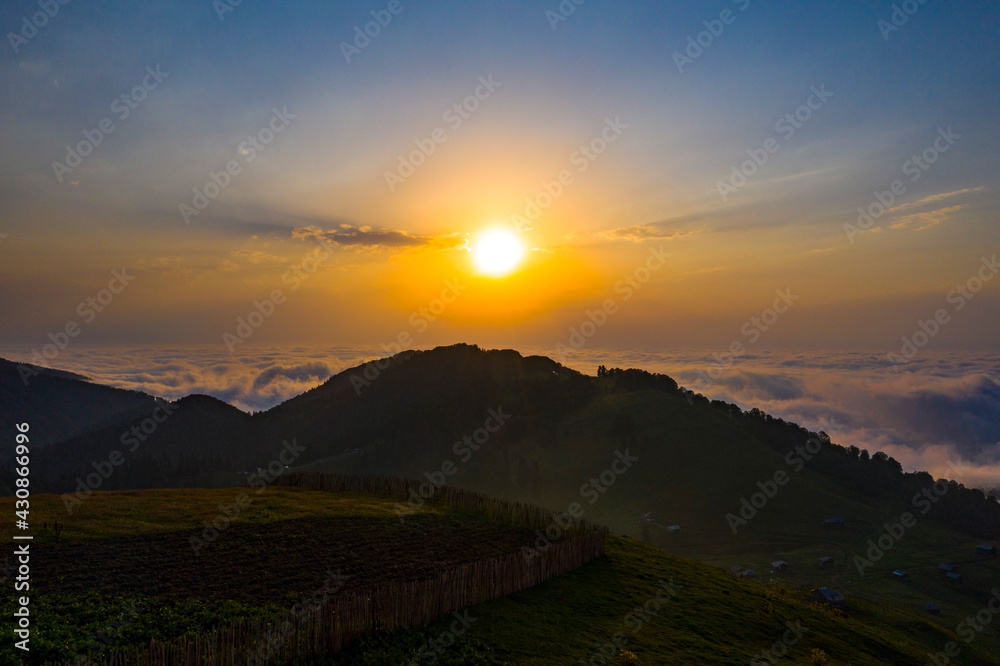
column 352, row 120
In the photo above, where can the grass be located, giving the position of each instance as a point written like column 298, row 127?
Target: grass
column 713, row 619
column 710, row 617
column 132, row 550
column 694, row 471
column 141, row 512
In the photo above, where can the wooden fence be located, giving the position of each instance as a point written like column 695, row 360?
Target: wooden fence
column 338, row 621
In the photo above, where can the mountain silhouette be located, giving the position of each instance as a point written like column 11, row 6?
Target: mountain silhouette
column 523, row 428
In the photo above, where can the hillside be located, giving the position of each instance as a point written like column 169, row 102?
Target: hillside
column 704, row 616
column 61, row 404
column 557, row 428
column 712, row 619
column 632, row 450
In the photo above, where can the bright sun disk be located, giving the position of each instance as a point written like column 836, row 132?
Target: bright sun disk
column 497, row 252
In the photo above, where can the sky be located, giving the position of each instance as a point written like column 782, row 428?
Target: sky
column 675, row 172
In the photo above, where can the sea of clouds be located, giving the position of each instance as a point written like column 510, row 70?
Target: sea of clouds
column 940, row 410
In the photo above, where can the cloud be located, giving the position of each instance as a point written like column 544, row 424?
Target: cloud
column 643, row 233
column 934, row 198
column 316, row 371
column 909, row 215
column 927, row 219
column 258, row 257
column 366, row 236
column 944, row 408
column 166, row 266
column 251, row 383
column 923, row 419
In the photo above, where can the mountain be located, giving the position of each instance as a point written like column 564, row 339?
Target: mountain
column 58, row 404
column 523, row 428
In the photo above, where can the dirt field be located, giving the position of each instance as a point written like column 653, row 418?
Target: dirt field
column 272, row 563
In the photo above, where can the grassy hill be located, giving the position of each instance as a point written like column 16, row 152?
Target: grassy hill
column 713, row 618
column 620, row 446
column 695, row 465
column 194, row 559
column 287, row 540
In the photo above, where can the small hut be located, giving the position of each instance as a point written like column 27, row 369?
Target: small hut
column 831, row 598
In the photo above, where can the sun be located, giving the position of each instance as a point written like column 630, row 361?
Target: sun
column 497, row 252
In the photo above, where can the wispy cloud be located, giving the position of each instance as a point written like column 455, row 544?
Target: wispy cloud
column 932, row 199
column 364, row 236
column 644, row 232
column 166, row 266
column 927, row 219
column 944, row 408
column 258, row 257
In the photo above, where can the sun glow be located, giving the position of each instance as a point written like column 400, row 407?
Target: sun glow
column 497, row 252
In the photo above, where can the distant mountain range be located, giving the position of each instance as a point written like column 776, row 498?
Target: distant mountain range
column 633, row 449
